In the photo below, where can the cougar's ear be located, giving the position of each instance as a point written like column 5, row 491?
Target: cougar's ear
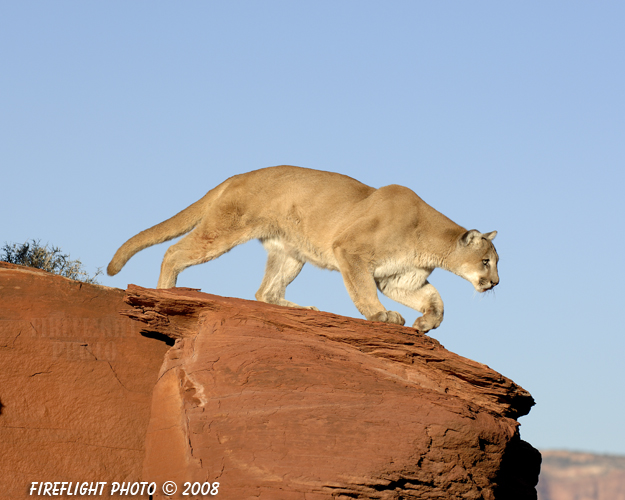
column 490, row 236
column 469, row 237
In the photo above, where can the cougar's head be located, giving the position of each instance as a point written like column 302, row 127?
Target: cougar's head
column 476, row 259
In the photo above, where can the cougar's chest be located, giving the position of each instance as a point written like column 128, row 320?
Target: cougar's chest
column 404, row 273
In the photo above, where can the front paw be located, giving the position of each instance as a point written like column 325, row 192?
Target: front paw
column 426, row 323
column 388, row 317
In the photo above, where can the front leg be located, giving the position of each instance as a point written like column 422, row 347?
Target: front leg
column 361, row 287
column 424, row 298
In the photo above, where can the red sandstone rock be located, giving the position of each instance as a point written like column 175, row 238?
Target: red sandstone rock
column 278, row 403
column 272, row 403
column 76, row 383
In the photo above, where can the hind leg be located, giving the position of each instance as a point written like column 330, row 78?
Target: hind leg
column 201, row 245
column 280, row 271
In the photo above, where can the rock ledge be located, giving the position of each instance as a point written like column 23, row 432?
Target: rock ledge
column 281, row 403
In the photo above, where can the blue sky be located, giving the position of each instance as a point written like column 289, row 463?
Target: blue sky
column 502, row 115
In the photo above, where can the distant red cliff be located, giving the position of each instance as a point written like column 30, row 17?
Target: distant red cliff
column 581, row 476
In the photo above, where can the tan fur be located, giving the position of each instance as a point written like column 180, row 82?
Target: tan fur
column 387, row 239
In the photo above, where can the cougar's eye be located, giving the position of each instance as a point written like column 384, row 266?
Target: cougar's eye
column 486, row 262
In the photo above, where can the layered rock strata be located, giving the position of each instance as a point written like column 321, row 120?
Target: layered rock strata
column 280, row 403
column 270, row 402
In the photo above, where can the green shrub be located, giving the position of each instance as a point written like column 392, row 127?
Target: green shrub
column 50, row 259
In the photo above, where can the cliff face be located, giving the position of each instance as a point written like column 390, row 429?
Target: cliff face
column 569, row 475
column 273, row 403
column 76, row 382
column 280, row 403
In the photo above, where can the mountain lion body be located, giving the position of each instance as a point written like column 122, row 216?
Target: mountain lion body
column 387, row 239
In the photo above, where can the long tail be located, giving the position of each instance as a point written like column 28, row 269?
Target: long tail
column 179, row 224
